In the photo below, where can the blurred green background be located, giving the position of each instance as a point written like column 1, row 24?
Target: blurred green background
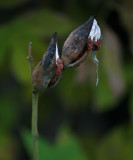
column 77, row 120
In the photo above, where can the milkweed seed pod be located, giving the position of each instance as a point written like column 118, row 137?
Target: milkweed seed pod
column 83, row 39
column 49, row 70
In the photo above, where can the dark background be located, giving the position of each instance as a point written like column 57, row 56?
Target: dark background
column 77, row 120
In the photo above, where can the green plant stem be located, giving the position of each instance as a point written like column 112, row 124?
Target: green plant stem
column 34, row 124
column 34, row 109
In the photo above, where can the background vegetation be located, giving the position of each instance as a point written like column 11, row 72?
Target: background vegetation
column 77, row 120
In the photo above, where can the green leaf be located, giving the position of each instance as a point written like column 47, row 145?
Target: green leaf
column 66, row 148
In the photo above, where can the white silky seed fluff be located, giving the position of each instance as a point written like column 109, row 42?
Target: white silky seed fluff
column 95, row 32
column 57, row 54
column 95, row 35
column 95, row 60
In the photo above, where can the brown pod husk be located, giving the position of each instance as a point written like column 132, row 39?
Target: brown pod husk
column 44, row 75
column 74, row 50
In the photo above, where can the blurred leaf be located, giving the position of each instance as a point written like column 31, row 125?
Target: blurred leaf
column 114, row 145
column 34, row 26
column 111, row 75
column 7, row 145
column 117, row 145
column 8, row 114
column 66, row 149
column 10, row 2
column 72, row 93
column 68, row 146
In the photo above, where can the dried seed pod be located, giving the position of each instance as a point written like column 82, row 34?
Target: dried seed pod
column 49, row 70
column 83, row 39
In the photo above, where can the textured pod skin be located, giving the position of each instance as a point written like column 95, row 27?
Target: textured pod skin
column 46, row 72
column 75, row 49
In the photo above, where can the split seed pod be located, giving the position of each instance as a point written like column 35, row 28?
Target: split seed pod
column 49, row 70
column 83, row 39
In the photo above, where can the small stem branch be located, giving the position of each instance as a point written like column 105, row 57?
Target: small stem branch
column 30, row 59
column 34, row 109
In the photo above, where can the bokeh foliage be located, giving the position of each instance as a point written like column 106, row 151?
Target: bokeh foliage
column 66, row 147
